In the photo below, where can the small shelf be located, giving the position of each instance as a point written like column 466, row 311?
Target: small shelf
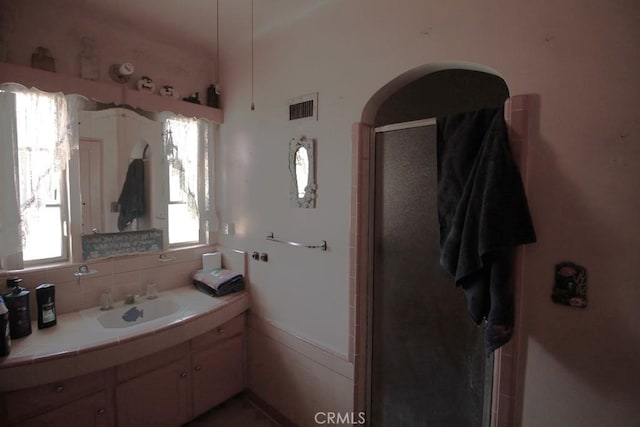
column 157, row 103
column 104, row 92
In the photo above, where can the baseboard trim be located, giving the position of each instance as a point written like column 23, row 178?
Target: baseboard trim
column 268, row 409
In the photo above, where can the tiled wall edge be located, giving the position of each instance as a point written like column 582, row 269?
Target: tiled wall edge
column 105, row 266
column 330, row 359
column 506, row 362
column 131, row 272
column 361, row 142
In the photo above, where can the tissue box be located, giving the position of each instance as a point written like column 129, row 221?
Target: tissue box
column 211, row 261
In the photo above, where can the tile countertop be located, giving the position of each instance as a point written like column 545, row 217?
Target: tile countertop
column 78, row 344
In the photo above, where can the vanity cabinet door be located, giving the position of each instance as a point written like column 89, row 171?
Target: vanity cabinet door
column 156, row 398
column 217, row 373
column 90, row 411
column 45, row 399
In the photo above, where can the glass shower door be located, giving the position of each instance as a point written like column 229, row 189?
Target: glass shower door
column 428, row 365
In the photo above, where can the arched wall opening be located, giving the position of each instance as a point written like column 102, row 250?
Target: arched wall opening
column 414, row 76
column 424, row 92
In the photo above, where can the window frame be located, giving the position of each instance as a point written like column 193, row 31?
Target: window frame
column 65, row 234
column 205, row 142
column 63, row 205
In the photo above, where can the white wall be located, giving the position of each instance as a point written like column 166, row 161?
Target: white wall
column 580, row 61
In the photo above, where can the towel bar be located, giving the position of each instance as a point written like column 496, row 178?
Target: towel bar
column 322, row 247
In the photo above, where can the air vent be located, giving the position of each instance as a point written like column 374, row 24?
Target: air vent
column 304, row 107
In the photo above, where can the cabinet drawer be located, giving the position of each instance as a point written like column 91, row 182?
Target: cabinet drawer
column 150, row 363
column 22, row 403
column 86, row 412
column 229, row 329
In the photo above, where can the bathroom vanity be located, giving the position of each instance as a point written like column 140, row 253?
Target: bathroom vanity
column 163, row 371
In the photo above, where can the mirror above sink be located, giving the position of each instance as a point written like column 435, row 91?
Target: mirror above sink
column 109, row 141
column 126, row 126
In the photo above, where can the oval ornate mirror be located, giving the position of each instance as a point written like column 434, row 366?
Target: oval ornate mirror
column 302, row 170
column 301, row 167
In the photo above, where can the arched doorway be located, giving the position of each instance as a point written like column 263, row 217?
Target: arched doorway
column 414, row 96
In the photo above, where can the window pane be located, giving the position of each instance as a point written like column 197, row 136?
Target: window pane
column 40, row 191
column 44, row 237
column 183, row 225
column 182, row 155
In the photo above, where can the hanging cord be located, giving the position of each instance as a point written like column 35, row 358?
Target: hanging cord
column 253, row 106
column 217, row 43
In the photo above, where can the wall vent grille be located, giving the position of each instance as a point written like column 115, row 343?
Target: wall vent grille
column 304, row 107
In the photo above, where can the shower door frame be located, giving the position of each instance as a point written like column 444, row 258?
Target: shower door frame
column 490, row 364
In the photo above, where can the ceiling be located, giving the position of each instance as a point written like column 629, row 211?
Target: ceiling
column 194, row 21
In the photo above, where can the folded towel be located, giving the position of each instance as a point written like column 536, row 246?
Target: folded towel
column 218, row 282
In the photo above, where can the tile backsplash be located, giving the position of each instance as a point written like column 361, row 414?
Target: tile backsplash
column 122, row 275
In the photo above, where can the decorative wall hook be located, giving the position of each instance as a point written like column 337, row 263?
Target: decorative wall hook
column 570, row 286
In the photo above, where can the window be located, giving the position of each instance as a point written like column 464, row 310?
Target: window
column 41, row 181
column 40, row 153
column 186, row 142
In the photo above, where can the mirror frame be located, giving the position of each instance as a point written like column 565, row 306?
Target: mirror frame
column 309, row 198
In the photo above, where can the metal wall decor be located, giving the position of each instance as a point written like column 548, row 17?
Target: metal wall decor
column 570, row 285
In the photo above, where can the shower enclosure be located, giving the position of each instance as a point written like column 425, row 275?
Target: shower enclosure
column 426, row 364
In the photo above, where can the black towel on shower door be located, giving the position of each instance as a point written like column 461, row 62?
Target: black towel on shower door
column 483, row 215
column 131, row 201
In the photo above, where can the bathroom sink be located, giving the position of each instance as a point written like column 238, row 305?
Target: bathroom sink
column 135, row 314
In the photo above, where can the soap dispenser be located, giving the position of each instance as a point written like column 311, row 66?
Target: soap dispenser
column 5, row 336
column 17, row 301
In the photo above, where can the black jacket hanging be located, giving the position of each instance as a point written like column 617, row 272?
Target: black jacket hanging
column 132, row 196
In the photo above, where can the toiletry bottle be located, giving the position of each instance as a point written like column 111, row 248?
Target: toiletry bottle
column 46, row 296
column 213, row 96
column 5, row 335
column 17, row 301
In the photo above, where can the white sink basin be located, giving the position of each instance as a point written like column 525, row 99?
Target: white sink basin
column 135, row 314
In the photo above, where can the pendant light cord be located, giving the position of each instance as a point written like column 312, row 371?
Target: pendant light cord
column 217, row 43
column 253, row 106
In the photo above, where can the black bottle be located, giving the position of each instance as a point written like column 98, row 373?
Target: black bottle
column 5, row 336
column 46, row 298
column 213, row 97
column 17, row 301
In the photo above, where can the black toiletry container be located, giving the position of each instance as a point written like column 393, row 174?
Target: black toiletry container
column 46, row 298
column 5, row 335
column 17, row 301
column 213, row 97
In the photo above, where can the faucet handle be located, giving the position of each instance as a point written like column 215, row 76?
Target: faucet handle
column 131, row 299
